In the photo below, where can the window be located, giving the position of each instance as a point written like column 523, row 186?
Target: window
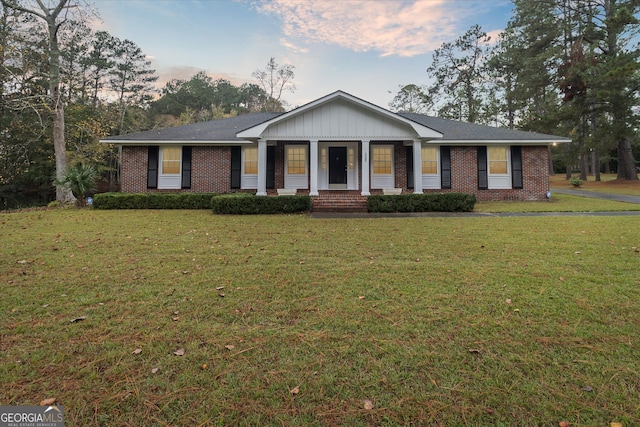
column 498, row 161
column 429, row 160
column 296, row 160
column 171, row 160
column 250, row 161
column 382, row 158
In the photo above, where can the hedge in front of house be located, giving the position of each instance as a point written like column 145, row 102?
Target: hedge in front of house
column 152, row 200
column 429, row 202
column 255, row 205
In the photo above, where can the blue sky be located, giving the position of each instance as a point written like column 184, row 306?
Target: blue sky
column 367, row 48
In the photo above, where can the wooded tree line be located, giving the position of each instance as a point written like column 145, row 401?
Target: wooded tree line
column 568, row 67
column 63, row 86
column 565, row 67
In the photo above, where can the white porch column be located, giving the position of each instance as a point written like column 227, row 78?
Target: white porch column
column 366, row 169
column 417, row 166
column 262, row 168
column 313, row 167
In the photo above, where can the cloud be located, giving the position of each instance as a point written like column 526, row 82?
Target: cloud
column 402, row 28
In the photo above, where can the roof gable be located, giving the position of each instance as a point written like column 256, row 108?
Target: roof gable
column 340, row 116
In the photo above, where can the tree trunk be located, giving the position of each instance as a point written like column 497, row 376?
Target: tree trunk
column 626, row 162
column 63, row 194
column 596, row 165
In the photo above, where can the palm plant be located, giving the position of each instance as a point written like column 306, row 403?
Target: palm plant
column 81, row 180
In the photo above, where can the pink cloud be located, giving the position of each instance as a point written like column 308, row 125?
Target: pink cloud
column 391, row 27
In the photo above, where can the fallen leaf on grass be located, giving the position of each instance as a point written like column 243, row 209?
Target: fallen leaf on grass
column 563, row 424
column 78, row 319
column 615, row 424
column 230, row 347
column 155, row 370
column 475, row 351
column 179, row 352
column 295, row 390
column 49, row 401
column 368, row 404
column 586, row 388
column 219, row 288
column 203, row 366
column 137, row 351
column 361, row 297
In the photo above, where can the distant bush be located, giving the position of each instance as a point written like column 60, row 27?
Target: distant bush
column 152, row 200
column 575, row 181
column 430, row 202
column 248, row 204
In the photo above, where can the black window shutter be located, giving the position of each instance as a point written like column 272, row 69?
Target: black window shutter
column 152, row 166
column 186, row 167
column 236, row 166
column 483, row 178
column 445, row 167
column 410, row 174
column 271, row 166
column 516, row 166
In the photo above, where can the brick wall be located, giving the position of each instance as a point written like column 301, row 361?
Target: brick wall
column 535, row 174
column 211, row 171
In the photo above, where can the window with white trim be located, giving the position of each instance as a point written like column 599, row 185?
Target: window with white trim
column 498, row 167
column 171, row 157
column 250, row 161
column 296, row 160
column 382, row 166
column 430, row 160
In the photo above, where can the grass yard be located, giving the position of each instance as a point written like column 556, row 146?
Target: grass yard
column 354, row 322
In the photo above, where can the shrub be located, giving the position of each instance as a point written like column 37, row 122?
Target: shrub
column 152, row 200
column 575, row 181
column 430, row 202
column 238, row 204
column 81, row 180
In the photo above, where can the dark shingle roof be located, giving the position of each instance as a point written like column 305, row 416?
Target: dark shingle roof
column 225, row 130
column 453, row 130
column 214, row 130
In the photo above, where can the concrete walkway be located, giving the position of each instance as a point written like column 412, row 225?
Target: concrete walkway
column 576, row 192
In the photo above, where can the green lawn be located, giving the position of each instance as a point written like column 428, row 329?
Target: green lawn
column 436, row 321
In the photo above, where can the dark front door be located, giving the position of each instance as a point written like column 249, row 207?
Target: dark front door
column 338, row 167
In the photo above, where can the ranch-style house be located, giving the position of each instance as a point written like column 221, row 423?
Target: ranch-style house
column 339, row 149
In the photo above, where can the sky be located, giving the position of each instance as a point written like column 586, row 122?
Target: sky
column 368, row 48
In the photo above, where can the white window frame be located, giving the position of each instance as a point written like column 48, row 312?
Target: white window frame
column 248, row 181
column 382, row 180
column 169, row 181
column 430, row 180
column 499, row 181
column 296, row 181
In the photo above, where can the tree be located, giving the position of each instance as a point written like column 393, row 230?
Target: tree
column 130, row 78
column 276, row 79
column 460, row 80
column 410, row 99
column 54, row 19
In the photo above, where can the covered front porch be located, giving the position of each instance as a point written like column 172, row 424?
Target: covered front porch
column 363, row 166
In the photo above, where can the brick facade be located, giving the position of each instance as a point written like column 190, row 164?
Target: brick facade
column 211, row 171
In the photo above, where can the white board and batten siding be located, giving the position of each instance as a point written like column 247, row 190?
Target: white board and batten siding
column 339, row 120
